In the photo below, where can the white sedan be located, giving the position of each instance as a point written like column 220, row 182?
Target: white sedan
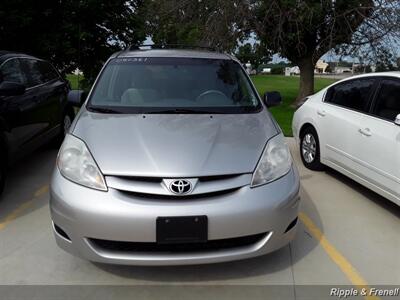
column 353, row 126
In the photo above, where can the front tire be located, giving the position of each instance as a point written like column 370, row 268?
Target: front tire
column 310, row 150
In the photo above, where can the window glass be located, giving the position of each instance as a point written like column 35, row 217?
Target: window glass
column 31, row 68
column 47, row 71
column 388, row 100
column 11, row 71
column 352, row 94
column 136, row 85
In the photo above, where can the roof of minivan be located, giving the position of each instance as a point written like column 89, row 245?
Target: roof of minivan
column 173, row 53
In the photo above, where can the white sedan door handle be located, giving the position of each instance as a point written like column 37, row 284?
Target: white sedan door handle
column 366, row 131
column 321, row 113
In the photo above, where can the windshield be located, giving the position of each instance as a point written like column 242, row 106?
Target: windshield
column 173, row 85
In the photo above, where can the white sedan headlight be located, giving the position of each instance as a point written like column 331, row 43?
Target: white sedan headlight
column 274, row 163
column 77, row 164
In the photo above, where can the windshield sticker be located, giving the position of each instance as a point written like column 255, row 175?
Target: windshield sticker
column 132, row 59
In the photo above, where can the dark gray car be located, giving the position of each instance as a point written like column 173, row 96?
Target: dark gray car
column 33, row 106
column 174, row 159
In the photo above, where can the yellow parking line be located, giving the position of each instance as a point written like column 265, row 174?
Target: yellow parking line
column 43, row 190
column 16, row 212
column 352, row 274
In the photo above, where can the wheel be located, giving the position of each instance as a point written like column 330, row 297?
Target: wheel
column 310, row 150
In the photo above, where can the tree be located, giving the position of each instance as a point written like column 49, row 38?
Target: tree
column 385, row 61
column 71, row 33
column 303, row 31
column 255, row 54
column 219, row 24
column 300, row 30
column 245, row 53
column 361, row 69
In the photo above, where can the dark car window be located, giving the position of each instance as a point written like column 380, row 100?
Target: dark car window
column 37, row 71
column 352, row 94
column 388, row 100
column 11, row 71
column 47, row 71
column 32, row 72
column 152, row 85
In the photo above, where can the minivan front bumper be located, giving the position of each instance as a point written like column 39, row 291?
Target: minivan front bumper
column 82, row 216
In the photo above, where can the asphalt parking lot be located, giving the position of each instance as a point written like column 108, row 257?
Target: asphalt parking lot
column 347, row 236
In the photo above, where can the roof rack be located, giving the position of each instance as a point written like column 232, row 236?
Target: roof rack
column 169, row 46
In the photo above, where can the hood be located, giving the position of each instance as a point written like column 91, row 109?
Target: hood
column 172, row 145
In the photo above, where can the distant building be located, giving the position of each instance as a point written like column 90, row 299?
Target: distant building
column 341, row 70
column 266, row 71
column 341, row 67
column 248, row 68
column 292, row 71
column 321, row 67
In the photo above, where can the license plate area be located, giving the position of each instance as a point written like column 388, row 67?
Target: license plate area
column 181, row 230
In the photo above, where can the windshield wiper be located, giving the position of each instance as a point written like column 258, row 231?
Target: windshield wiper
column 103, row 110
column 182, row 111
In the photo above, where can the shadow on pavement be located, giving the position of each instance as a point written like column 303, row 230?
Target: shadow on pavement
column 24, row 178
column 367, row 193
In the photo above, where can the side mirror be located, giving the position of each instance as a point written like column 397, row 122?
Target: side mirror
column 397, row 121
column 272, row 99
column 8, row 88
column 76, row 97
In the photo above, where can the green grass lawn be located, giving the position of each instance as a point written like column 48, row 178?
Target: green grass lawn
column 73, row 80
column 287, row 86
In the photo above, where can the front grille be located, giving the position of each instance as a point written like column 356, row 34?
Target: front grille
column 212, row 245
column 155, row 188
column 145, row 196
column 218, row 177
column 140, row 179
column 160, row 179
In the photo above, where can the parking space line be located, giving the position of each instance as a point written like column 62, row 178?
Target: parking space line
column 16, row 212
column 43, row 190
column 351, row 273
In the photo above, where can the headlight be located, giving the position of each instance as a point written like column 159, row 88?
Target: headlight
column 274, row 163
column 77, row 164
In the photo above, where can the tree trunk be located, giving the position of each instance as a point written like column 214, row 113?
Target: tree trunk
column 306, row 67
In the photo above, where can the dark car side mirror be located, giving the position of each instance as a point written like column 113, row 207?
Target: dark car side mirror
column 76, row 97
column 272, row 99
column 9, row 88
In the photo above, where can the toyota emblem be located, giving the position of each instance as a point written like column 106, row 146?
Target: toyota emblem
column 180, row 187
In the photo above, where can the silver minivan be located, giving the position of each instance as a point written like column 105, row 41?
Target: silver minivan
column 173, row 159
